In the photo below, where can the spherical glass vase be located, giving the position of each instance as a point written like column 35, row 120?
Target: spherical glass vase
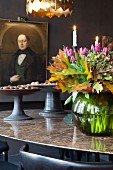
column 93, row 113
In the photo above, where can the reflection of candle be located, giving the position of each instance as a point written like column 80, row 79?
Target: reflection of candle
column 96, row 40
column 74, row 36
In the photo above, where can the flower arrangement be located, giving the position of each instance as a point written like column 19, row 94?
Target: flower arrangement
column 89, row 71
column 84, row 70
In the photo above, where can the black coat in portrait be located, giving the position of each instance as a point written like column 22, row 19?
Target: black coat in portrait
column 30, row 69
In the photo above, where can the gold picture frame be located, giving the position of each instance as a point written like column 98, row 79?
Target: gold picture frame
column 38, row 35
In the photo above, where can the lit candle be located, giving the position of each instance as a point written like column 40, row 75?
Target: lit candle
column 96, row 40
column 74, row 36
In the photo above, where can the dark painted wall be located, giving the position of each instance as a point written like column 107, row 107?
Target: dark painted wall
column 92, row 17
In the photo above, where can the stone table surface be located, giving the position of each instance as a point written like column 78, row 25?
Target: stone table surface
column 58, row 132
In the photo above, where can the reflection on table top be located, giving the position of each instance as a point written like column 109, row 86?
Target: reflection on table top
column 58, row 132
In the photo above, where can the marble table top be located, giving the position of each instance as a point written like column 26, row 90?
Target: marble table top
column 58, row 132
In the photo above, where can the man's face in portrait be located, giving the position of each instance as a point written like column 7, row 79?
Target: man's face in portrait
column 22, row 42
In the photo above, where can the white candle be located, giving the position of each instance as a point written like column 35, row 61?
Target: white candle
column 96, row 40
column 74, row 36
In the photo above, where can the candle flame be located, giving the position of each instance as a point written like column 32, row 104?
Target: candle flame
column 74, row 27
column 97, row 38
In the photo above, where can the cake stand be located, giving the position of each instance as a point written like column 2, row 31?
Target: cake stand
column 18, row 112
column 53, row 105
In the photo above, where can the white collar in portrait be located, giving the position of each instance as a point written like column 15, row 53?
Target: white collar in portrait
column 21, row 58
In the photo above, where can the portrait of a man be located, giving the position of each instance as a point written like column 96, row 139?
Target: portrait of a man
column 23, row 52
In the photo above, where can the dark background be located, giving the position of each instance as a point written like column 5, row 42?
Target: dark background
column 92, row 17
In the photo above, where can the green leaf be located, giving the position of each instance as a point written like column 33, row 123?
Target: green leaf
column 74, row 95
column 87, row 95
column 108, row 77
column 98, row 87
column 76, row 67
column 68, row 100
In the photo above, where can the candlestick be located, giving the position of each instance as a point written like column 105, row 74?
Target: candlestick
column 96, row 40
column 74, row 36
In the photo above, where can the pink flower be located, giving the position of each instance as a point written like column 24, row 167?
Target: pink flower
column 92, row 47
column 83, row 50
column 97, row 47
column 105, row 50
column 73, row 58
column 70, row 52
column 65, row 49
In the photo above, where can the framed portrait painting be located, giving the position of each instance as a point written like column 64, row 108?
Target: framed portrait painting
column 37, row 36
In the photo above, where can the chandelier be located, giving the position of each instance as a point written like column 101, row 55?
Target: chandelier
column 49, row 8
